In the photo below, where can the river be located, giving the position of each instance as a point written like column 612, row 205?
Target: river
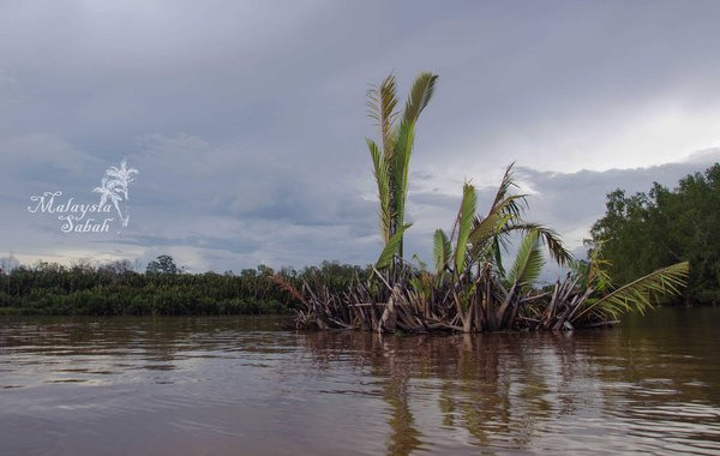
column 243, row 386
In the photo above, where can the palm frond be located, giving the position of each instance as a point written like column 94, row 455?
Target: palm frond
column 501, row 214
column 400, row 169
column 504, row 210
column 382, row 180
column 420, row 95
column 442, row 250
column 597, row 270
column 382, row 101
column 529, row 261
column 512, row 205
column 497, row 246
column 391, row 248
column 506, row 183
column 484, row 229
column 391, row 158
column 638, row 294
column 550, row 238
column 465, row 217
column 554, row 244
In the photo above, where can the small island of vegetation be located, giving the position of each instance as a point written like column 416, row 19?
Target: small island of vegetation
column 469, row 290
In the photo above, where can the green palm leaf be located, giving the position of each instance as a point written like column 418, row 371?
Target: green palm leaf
column 593, row 272
column 392, row 248
column 442, row 250
column 486, row 228
column 529, row 261
column 506, row 184
column 465, row 218
column 420, row 95
column 400, row 170
column 550, row 238
column 382, row 179
column 505, row 209
column 638, row 294
column 391, row 159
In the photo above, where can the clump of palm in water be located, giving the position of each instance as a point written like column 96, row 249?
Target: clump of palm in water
column 469, row 290
column 114, row 188
column 485, row 296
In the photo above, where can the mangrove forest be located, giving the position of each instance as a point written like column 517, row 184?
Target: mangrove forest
column 646, row 231
column 164, row 288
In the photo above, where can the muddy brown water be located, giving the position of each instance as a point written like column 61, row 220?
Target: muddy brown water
column 243, row 386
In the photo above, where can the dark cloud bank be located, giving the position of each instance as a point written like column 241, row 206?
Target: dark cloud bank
column 247, row 120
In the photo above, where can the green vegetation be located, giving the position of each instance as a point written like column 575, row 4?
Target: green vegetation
column 647, row 236
column 391, row 162
column 647, row 231
column 469, row 290
column 115, row 289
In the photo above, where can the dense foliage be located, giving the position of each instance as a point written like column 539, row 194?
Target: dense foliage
column 115, row 289
column 647, row 231
column 469, row 289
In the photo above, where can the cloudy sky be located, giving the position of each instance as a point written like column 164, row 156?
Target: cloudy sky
column 247, row 120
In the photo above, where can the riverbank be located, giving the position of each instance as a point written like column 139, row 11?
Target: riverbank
column 109, row 290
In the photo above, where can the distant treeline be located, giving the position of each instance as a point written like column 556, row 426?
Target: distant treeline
column 164, row 289
column 646, row 231
column 637, row 235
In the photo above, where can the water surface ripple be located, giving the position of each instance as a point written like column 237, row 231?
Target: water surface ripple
column 226, row 386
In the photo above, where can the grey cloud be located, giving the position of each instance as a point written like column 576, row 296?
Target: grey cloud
column 567, row 202
column 247, row 119
column 574, row 201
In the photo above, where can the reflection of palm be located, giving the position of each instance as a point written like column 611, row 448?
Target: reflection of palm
column 109, row 191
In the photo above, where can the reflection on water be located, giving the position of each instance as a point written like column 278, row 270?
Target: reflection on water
column 182, row 386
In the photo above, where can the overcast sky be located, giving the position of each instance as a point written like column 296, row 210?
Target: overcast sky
column 247, row 120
